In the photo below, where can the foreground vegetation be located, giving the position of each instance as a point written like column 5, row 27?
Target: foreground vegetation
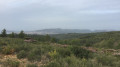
column 85, row 50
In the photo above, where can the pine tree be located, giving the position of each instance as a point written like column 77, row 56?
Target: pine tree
column 12, row 35
column 21, row 34
column 3, row 33
column 47, row 38
column 54, row 40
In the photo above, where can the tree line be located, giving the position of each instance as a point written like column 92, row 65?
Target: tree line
column 12, row 35
column 42, row 38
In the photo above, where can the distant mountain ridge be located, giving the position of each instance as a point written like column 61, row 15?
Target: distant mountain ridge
column 63, row 31
column 60, row 31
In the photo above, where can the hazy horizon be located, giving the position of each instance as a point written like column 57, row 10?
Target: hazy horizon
column 66, row 14
column 59, row 28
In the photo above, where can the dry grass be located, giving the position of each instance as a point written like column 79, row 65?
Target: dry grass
column 23, row 62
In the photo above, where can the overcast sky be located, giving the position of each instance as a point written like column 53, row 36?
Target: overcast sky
column 66, row 14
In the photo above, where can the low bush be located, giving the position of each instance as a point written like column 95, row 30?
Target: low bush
column 21, row 54
column 8, row 50
column 34, row 55
column 31, row 65
column 64, row 52
column 107, row 60
column 11, row 63
column 53, row 64
column 3, row 43
column 81, row 52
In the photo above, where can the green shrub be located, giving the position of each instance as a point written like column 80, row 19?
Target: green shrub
column 11, row 63
column 26, row 47
column 53, row 64
column 34, row 55
column 21, row 54
column 81, row 52
column 3, row 43
column 64, row 52
column 8, row 50
column 31, row 65
column 31, row 57
column 37, row 51
column 71, row 61
column 108, row 60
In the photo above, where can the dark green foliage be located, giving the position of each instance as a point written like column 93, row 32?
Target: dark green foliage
column 4, row 33
column 99, row 40
column 34, row 55
column 40, row 38
column 64, row 52
column 54, row 40
column 118, row 46
column 44, row 38
column 47, row 38
column 107, row 60
column 107, row 43
column 80, row 52
column 53, row 64
column 12, row 35
column 25, row 47
column 21, row 54
column 21, row 34
column 31, row 57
